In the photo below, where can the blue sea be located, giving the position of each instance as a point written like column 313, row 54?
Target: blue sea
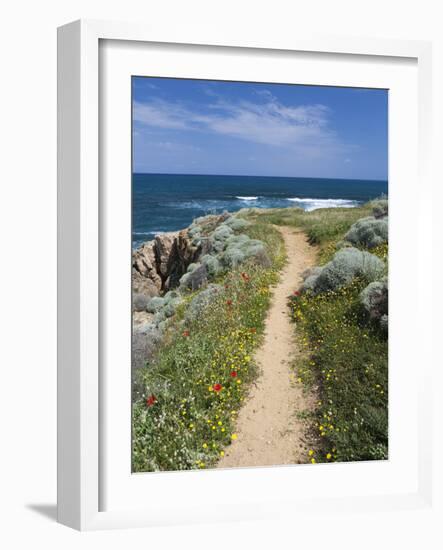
column 169, row 202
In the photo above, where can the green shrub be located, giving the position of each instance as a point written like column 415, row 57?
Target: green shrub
column 155, row 304
column 222, row 233
column 233, row 257
column 191, row 267
column 237, row 224
column 375, row 299
column 379, row 208
column 194, row 280
column 201, row 301
column 140, row 301
column 194, row 231
column 368, row 232
column 212, row 265
column 145, row 340
column 237, row 240
column 347, row 264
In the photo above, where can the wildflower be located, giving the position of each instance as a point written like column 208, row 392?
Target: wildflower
column 233, row 374
column 205, row 445
column 234, row 437
column 217, row 387
column 151, row 400
column 245, row 277
column 222, row 453
column 186, row 333
column 229, row 302
column 296, row 293
column 329, row 456
column 313, row 461
column 311, row 452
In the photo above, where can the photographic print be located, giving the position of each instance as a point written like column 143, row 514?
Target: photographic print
column 259, row 274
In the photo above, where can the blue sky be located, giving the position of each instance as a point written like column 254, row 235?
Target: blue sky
column 213, row 127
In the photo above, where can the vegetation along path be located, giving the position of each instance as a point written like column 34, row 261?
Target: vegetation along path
column 269, row 432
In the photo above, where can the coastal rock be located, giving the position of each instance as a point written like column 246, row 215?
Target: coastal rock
column 182, row 253
column 145, row 277
column 163, row 245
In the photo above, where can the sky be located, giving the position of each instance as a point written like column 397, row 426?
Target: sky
column 183, row 126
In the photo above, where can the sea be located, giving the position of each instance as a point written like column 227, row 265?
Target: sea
column 169, row 202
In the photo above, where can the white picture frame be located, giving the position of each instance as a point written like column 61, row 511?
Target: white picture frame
column 81, row 412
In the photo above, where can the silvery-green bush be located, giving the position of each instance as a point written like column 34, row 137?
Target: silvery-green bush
column 310, row 278
column 140, row 301
column 237, row 223
column 194, row 231
column 184, row 281
column 191, row 267
column 201, row 301
column 347, row 264
column 368, row 232
column 222, row 232
column 237, row 240
column 194, row 280
column 155, row 304
column 171, row 296
column 380, row 208
column 232, row 257
column 217, row 246
column 145, row 340
column 212, row 265
column 375, row 299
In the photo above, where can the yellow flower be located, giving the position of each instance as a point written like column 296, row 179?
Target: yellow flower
column 313, row 460
column 219, row 422
column 311, row 452
column 205, row 446
column 222, row 453
column 210, row 388
column 329, row 456
column 234, row 437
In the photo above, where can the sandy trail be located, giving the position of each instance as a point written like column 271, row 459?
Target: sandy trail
column 269, row 432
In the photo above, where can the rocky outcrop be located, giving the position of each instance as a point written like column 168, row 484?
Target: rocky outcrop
column 158, row 265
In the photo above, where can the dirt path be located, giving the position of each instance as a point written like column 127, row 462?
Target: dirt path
column 268, row 431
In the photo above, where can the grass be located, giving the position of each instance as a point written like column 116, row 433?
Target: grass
column 324, row 227
column 191, row 392
column 347, row 359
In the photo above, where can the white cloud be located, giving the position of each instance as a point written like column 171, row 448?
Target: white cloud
column 303, row 128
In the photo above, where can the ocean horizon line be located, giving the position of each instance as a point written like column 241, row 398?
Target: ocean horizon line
column 257, row 176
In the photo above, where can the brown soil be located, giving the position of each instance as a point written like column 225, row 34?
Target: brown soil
column 269, row 432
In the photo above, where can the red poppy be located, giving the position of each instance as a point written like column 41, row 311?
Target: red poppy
column 186, row 333
column 151, row 400
column 234, row 374
column 217, row 387
column 229, row 302
column 296, row 293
